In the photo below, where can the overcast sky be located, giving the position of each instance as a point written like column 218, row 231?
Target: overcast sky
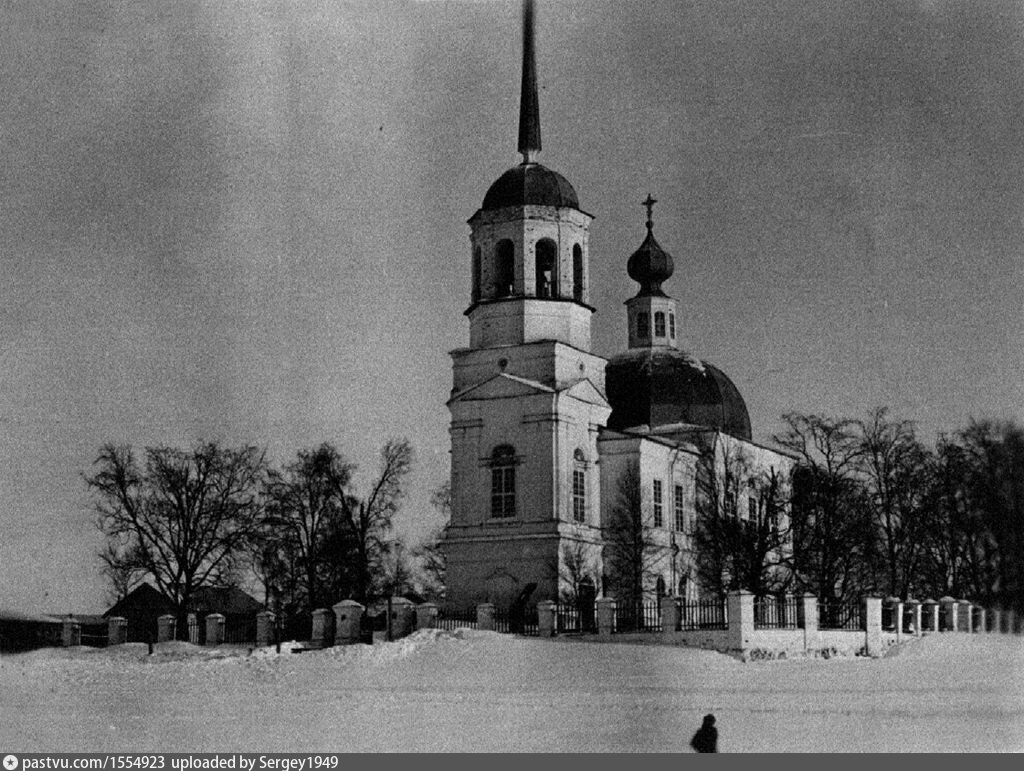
column 246, row 221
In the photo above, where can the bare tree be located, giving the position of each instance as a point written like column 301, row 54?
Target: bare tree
column 185, row 518
column 123, row 569
column 305, row 504
column 430, row 554
column 898, row 472
column 630, row 552
column 368, row 520
column 832, row 536
column 739, row 545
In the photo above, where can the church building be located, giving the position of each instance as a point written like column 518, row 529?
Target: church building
column 550, row 443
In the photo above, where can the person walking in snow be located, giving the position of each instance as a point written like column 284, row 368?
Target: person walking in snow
column 706, row 738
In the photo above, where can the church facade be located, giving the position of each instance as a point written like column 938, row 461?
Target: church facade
column 551, row 442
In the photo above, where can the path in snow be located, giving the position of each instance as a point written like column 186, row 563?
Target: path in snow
column 481, row 691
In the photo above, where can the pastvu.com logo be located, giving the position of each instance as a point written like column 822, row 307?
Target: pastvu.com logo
column 10, row 762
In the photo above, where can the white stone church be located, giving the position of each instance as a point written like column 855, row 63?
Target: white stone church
column 542, row 429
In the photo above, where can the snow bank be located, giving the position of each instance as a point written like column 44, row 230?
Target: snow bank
column 469, row 690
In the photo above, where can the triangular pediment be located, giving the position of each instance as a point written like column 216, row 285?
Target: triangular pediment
column 586, row 391
column 501, row 386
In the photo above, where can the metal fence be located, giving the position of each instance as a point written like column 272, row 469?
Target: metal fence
column 701, row 614
column 456, row 618
column 841, row 615
column 778, row 613
column 637, row 617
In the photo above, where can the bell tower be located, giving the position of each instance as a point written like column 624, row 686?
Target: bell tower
column 528, row 396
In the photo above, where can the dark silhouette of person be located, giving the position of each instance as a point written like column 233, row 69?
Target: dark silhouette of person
column 706, row 738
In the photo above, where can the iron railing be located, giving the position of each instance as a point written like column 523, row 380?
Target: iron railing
column 701, row 614
column 777, row 613
column 841, row 615
column 456, row 618
column 637, row 617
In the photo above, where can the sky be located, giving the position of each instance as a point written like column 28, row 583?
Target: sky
column 246, row 221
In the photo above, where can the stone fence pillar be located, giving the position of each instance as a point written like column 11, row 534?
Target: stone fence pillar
column 669, row 616
column 323, row 629
column 809, row 612
column 930, row 613
column 426, row 616
column 214, row 628
column 741, row 619
column 546, row 618
column 70, row 633
column 165, row 628
column 913, row 616
column 403, row 617
column 264, row 628
column 117, row 630
column 947, row 614
column 605, row 615
column 348, row 622
column 873, row 626
column 485, row 616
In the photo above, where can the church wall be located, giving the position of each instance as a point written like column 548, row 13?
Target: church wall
column 672, row 464
column 497, row 570
column 548, row 362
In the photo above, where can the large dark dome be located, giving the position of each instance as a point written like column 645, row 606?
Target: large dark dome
column 663, row 386
column 530, row 184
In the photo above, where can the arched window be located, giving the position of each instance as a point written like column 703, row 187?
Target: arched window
column 476, row 274
column 577, row 273
column 504, row 268
column 672, row 325
column 659, row 324
column 547, row 268
column 660, row 587
column 503, row 482
column 643, row 325
column 579, row 486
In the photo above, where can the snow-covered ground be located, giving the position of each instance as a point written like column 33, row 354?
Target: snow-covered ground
column 482, row 691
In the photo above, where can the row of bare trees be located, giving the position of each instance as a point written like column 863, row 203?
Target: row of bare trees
column 214, row 515
column 870, row 508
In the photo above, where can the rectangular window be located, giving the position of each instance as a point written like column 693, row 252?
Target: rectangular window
column 503, row 492
column 672, row 325
column 753, row 513
column 579, row 496
column 730, row 504
column 680, row 510
column 658, row 515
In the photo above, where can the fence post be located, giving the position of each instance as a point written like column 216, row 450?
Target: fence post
column 546, row 618
column 348, row 622
column 669, row 616
column 70, row 633
column 426, row 616
column 605, row 615
column 214, row 628
column 323, row 629
column 931, row 610
column 117, row 630
column 914, row 610
column 741, row 619
column 264, row 628
column 165, row 628
column 947, row 607
column 873, row 626
column 485, row 616
column 809, row 611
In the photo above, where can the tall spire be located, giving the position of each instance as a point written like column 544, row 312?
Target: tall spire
column 529, row 106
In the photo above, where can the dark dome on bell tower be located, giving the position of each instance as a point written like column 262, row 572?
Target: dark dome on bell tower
column 654, row 383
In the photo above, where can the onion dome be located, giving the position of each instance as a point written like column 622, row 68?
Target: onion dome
column 530, row 184
column 664, row 386
column 650, row 265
